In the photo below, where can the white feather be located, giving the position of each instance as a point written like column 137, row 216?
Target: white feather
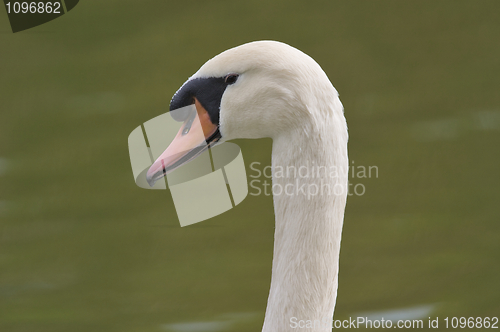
column 284, row 94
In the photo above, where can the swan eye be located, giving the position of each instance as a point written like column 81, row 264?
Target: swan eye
column 231, row 79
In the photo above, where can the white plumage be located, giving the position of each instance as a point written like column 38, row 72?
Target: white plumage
column 284, row 94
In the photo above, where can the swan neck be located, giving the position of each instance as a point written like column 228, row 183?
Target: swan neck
column 307, row 167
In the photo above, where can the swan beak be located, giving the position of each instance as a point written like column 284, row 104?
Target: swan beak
column 196, row 134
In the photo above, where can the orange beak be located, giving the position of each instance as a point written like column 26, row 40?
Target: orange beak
column 196, row 134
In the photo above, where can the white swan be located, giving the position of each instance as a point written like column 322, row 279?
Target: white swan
column 270, row 89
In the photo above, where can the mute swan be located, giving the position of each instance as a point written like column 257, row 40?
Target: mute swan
column 270, row 89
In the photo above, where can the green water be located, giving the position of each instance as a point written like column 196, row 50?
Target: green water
column 83, row 249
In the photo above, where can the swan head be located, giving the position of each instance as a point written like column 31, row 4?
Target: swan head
column 260, row 89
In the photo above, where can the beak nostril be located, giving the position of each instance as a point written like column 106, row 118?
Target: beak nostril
column 189, row 123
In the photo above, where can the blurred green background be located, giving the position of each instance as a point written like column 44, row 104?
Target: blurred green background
column 83, row 249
